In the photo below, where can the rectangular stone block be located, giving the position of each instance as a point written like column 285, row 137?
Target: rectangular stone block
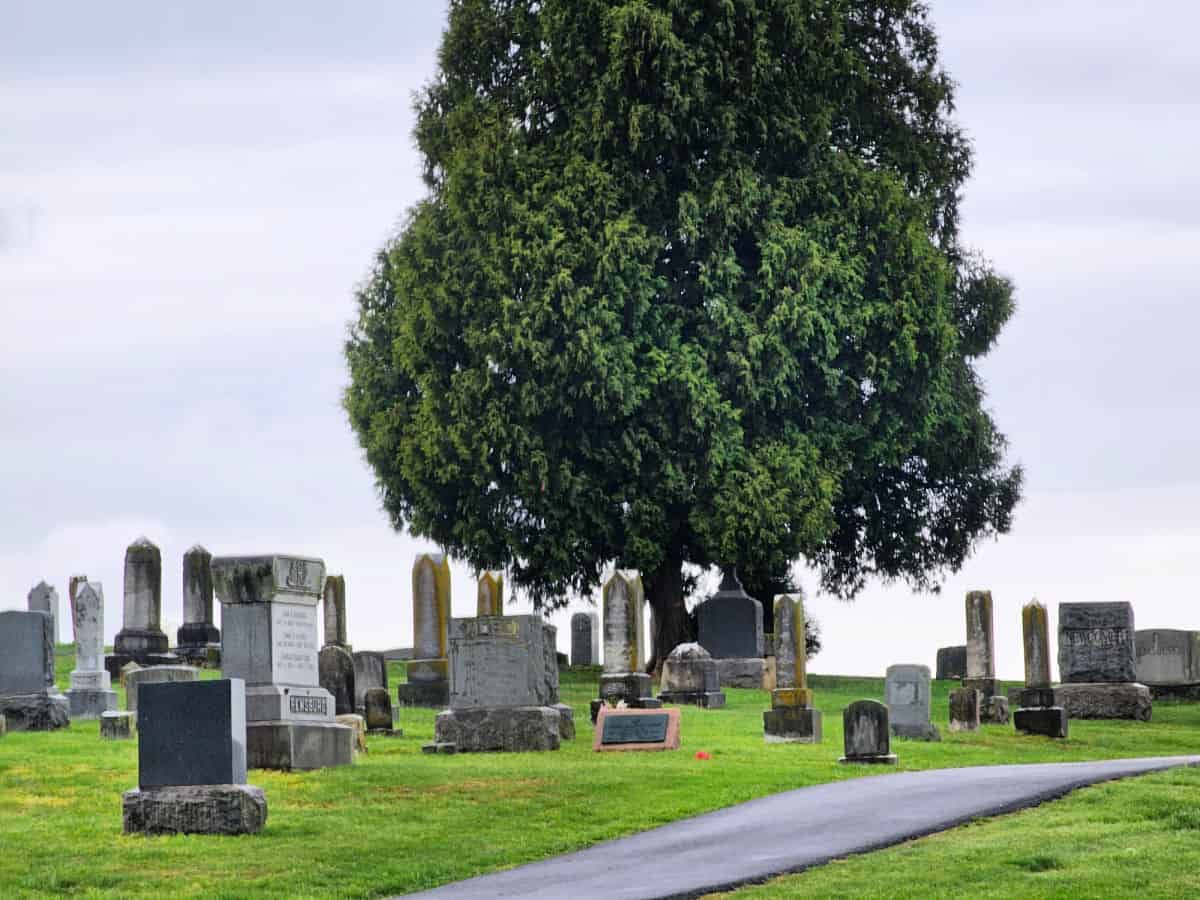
column 501, row 661
column 784, row 697
column 951, row 663
column 792, row 725
column 965, row 709
column 512, row 729
column 741, row 673
column 208, row 809
column 636, row 729
column 370, row 671
column 26, row 652
column 1096, row 643
column 192, row 733
column 585, row 639
column 1050, row 721
column 1105, row 701
column 907, row 693
column 1167, row 656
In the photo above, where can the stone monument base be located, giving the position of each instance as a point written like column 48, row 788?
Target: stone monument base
column 298, row 745
column 35, row 712
column 994, row 710
column 507, row 728
column 1048, row 720
column 792, row 725
column 206, row 656
column 1174, row 691
column 114, row 662
column 1101, row 700
column 85, row 703
column 195, row 809
column 566, row 721
column 433, row 694
column 741, row 673
column 706, row 699
column 631, row 688
column 985, row 686
column 116, row 725
column 140, row 640
column 926, row 732
column 882, row 759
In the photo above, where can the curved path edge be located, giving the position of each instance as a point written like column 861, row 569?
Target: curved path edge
column 784, row 833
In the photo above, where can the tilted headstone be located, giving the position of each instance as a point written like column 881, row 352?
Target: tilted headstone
column 333, row 605
column 91, row 692
column 489, row 595
column 689, row 675
column 335, row 673
column 1038, row 713
column 136, row 680
column 965, row 709
column 622, row 679
column 791, row 718
column 907, row 691
column 428, row 672
column 502, row 691
column 43, row 598
column 1097, row 665
column 585, row 639
column 269, row 640
column 28, row 697
column 1167, row 658
column 729, row 626
column 192, row 762
column 952, row 663
column 866, row 733
column 198, row 638
column 141, row 638
column 370, row 671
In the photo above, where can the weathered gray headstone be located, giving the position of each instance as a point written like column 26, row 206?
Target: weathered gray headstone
column 198, row 639
column 141, row 638
column 729, row 626
column 907, row 691
column 377, row 705
column 269, row 640
column 1038, row 713
column 965, row 709
column 689, row 675
column 791, row 718
column 116, row 725
column 136, row 680
column 28, row 698
column 489, row 594
column 1167, row 658
column 43, row 598
column 503, row 691
column 370, row 671
column 333, row 605
column 91, row 690
column 192, row 762
column 1096, row 643
column 622, row 679
column 981, row 651
column 952, row 663
column 335, row 668
column 867, row 733
column 585, row 639
column 428, row 672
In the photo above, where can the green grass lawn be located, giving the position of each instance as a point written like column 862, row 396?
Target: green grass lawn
column 399, row 820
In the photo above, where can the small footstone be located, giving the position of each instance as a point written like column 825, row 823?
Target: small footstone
column 1048, row 720
column 792, row 725
column 195, row 809
column 116, row 725
column 358, row 725
column 506, row 728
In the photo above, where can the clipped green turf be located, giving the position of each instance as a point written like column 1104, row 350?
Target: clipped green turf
column 399, row 820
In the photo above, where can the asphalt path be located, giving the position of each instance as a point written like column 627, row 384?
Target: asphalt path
column 788, row 832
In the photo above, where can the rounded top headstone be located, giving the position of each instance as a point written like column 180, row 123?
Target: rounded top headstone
column 689, row 651
column 198, row 548
column 143, row 541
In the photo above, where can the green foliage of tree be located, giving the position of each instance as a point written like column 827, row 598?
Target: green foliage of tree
column 687, row 287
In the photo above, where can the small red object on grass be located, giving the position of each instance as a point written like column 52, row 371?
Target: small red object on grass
column 702, row 754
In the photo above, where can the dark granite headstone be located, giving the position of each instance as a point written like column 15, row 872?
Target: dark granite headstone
column 1096, row 643
column 867, row 733
column 951, row 663
column 335, row 667
column 192, row 733
column 730, row 622
column 585, row 639
column 370, row 670
column 26, row 652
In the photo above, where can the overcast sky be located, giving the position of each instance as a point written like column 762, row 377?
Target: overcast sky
column 189, row 193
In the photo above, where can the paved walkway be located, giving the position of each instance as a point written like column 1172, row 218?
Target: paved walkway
column 788, row 832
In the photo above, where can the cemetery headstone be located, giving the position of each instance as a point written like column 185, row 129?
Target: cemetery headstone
column 503, row 692
column 622, row 679
column 91, row 690
column 429, row 670
column 1038, row 713
column 335, row 667
column 136, row 680
column 116, row 725
column 636, row 729
column 378, row 714
column 585, row 639
column 269, row 640
column 29, row 700
column 192, row 762
column 729, row 626
column 358, row 727
column 198, row 639
column 952, row 663
column 43, row 598
column 1168, row 662
column 73, row 583
column 965, row 708
column 333, row 605
column 370, row 671
column 867, row 734
column 489, row 596
column 791, row 718
column 689, row 675
column 981, row 660
column 907, row 691
column 1096, row 663
column 141, row 638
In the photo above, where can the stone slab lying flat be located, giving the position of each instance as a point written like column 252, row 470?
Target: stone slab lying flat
column 789, row 832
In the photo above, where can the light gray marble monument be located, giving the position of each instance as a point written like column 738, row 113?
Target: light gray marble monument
column 792, row 719
column 333, row 609
column 269, row 640
column 907, row 691
column 623, row 679
column 136, row 680
column 428, row 671
column 28, row 698
column 91, row 690
column 141, row 638
column 1168, row 662
column 198, row 639
column 43, row 598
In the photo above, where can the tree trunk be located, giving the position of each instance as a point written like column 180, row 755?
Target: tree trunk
column 671, row 625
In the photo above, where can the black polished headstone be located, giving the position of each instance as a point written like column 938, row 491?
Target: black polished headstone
column 192, row 733
column 951, row 663
column 730, row 622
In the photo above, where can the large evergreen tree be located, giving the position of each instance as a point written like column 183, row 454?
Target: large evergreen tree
column 687, row 287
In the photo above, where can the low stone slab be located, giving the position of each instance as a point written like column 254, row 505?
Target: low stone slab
column 741, row 672
column 703, row 699
column 636, row 729
column 116, row 725
column 511, row 729
column 1050, row 721
column 35, row 712
column 202, row 809
column 1103, row 700
column 298, row 745
column 792, row 725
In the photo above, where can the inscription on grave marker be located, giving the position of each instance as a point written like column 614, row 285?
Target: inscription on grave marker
column 640, row 729
column 294, row 632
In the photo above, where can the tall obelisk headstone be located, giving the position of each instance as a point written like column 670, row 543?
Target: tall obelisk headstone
column 1038, row 713
column 43, row 598
column 269, row 640
column 198, row 639
column 490, row 594
column 981, row 657
column 333, row 608
column 91, row 690
column 141, row 638
column 429, row 670
column 791, row 718
column 622, row 678
column 335, row 663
